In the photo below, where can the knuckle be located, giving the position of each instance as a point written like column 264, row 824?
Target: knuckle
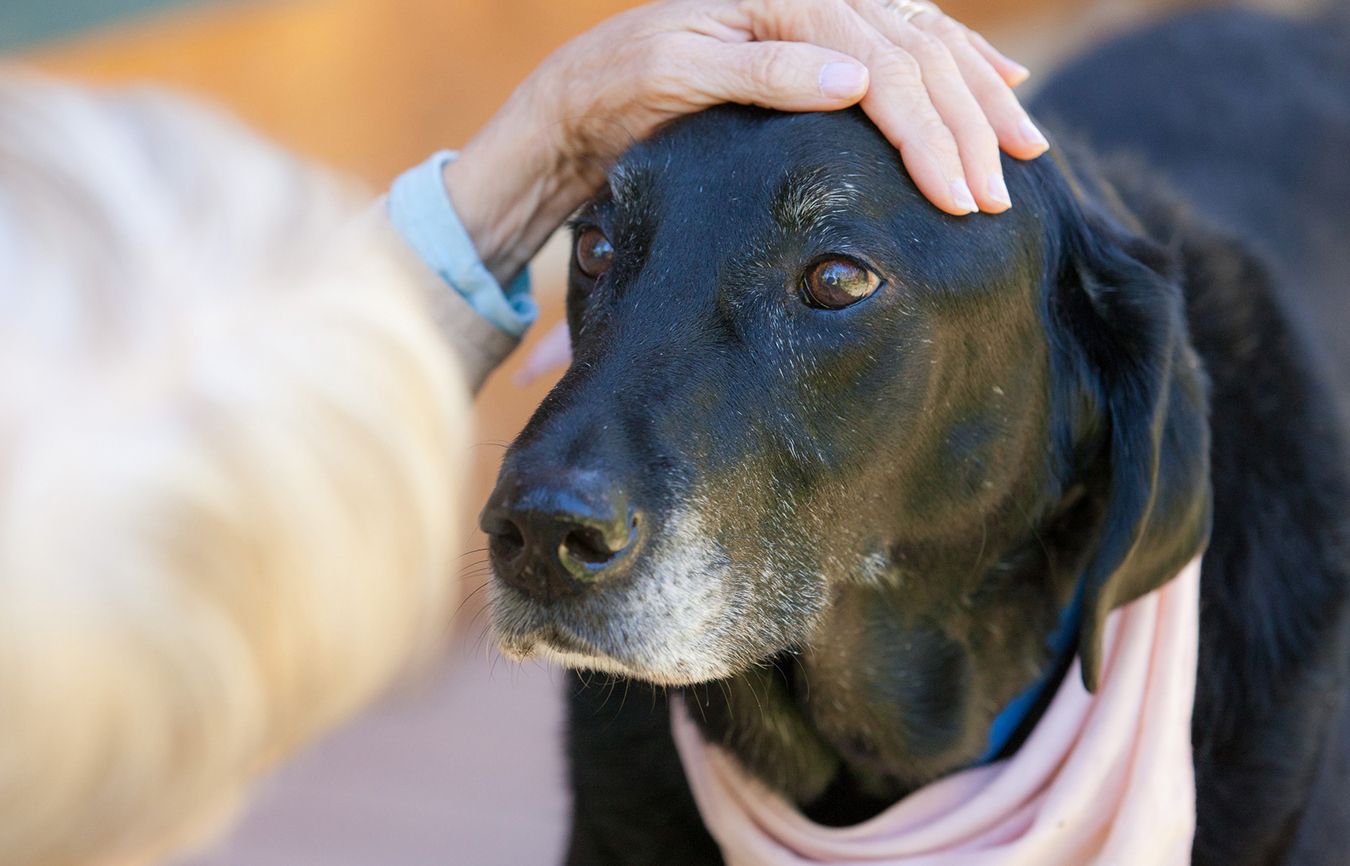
column 831, row 13
column 938, row 136
column 646, row 77
column 932, row 127
column 1000, row 106
column 783, row 16
column 982, row 140
column 823, row 15
column 996, row 99
column 945, row 28
column 763, row 9
column 928, row 48
column 768, row 66
column 901, row 65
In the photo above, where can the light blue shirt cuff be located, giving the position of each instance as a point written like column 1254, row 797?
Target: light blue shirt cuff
column 421, row 211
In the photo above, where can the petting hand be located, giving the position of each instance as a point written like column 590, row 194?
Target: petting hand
column 938, row 91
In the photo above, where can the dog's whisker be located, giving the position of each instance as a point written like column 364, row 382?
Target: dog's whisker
column 481, row 571
column 613, row 684
column 627, row 683
column 984, row 539
column 460, row 609
column 703, row 713
column 806, row 676
column 726, row 697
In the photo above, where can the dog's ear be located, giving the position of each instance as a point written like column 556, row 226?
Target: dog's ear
column 1149, row 393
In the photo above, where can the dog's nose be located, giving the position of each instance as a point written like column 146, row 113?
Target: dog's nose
column 559, row 537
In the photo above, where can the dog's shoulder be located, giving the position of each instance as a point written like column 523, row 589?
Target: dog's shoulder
column 1274, row 622
column 1272, row 747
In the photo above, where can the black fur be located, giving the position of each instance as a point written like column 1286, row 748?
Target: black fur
column 898, row 499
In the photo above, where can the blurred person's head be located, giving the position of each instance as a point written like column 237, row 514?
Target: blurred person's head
column 229, row 442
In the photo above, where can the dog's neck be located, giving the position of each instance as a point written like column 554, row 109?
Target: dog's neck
column 1104, row 780
column 820, row 725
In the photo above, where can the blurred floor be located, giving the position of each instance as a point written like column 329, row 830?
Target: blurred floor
column 463, row 768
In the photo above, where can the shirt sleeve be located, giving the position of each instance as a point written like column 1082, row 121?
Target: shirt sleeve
column 420, row 210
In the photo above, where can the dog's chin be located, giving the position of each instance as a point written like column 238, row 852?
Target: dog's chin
column 554, row 645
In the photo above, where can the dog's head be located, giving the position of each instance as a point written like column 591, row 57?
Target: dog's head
column 807, row 411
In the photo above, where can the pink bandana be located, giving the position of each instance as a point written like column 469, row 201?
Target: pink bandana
column 1102, row 779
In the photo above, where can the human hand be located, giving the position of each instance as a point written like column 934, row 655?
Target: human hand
column 937, row 90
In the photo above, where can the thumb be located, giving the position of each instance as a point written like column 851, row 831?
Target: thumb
column 788, row 76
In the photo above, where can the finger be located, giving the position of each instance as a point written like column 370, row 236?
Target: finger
column 1016, row 132
column 788, row 76
column 897, row 100
column 975, row 139
column 1012, row 72
column 551, row 353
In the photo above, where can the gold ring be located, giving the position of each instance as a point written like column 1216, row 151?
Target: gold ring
column 908, row 9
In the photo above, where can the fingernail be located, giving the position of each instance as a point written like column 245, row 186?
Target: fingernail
column 998, row 190
column 962, row 196
column 1020, row 72
column 840, row 80
column 1032, row 135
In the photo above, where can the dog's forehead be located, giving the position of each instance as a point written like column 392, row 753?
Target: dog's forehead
column 737, row 155
column 736, row 179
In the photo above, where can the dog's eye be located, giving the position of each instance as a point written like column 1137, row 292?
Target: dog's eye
column 836, row 283
column 594, row 252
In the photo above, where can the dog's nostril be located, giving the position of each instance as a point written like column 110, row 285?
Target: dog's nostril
column 587, row 551
column 505, row 540
column 588, row 546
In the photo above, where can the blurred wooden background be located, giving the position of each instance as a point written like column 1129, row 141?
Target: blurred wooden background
column 371, row 85
column 462, row 768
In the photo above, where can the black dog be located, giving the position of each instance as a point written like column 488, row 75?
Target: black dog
column 833, row 462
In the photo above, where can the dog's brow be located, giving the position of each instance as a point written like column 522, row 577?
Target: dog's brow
column 808, row 194
column 628, row 183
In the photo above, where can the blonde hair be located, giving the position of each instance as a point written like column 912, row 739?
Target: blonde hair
column 229, row 442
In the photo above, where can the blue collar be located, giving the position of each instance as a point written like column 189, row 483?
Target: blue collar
column 1062, row 645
